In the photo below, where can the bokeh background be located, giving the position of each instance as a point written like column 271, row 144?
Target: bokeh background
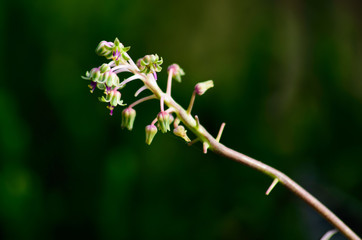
column 288, row 84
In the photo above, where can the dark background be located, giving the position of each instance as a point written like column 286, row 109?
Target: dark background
column 288, row 84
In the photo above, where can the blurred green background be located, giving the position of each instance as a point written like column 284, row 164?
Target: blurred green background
column 288, row 84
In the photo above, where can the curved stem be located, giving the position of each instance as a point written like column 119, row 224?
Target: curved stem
column 224, row 151
column 288, row 183
column 140, row 90
column 142, row 100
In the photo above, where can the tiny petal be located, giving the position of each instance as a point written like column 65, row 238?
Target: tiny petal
column 87, row 76
column 101, row 86
column 103, row 99
column 117, row 43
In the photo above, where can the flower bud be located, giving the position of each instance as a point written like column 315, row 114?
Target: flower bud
column 181, row 132
column 151, row 131
column 149, row 64
column 104, row 48
column 95, row 74
column 110, row 79
column 202, row 87
column 128, row 117
column 104, row 68
column 164, row 120
column 115, row 97
column 177, row 72
column 118, row 53
column 101, row 86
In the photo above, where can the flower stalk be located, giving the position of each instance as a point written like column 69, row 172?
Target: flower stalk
column 104, row 78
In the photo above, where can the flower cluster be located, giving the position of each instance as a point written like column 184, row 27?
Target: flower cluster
column 105, row 78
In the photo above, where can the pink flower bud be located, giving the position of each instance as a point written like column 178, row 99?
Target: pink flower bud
column 151, row 131
column 202, row 87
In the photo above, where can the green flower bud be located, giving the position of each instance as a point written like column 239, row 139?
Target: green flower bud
column 101, row 86
column 177, row 72
column 164, row 121
column 110, row 79
column 151, row 131
column 104, row 48
column 181, row 132
column 150, row 64
column 113, row 97
column 104, row 68
column 202, row 87
column 128, row 117
column 95, row 74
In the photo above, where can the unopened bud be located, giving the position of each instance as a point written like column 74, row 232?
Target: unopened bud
column 115, row 97
column 128, row 117
column 111, row 79
column 177, row 72
column 202, row 87
column 119, row 53
column 95, row 74
column 104, row 48
column 181, row 132
column 164, row 121
column 104, row 68
column 151, row 131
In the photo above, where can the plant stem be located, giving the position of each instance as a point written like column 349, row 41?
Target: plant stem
column 169, row 82
column 142, row 100
column 288, row 183
column 191, row 102
column 224, row 151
